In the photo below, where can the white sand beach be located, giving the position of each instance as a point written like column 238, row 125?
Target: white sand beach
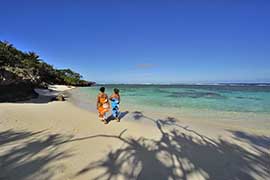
column 186, row 84
column 57, row 140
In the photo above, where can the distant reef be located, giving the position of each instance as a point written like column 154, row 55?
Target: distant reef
column 21, row 72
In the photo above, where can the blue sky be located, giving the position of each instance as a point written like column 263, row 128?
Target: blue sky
column 169, row 41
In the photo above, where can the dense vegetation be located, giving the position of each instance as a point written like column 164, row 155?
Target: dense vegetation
column 21, row 72
column 28, row 66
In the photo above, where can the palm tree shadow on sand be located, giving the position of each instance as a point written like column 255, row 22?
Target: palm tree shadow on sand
column 178, row 155
column 30, row 159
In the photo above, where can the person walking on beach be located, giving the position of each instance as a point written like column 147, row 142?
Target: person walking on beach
column 115, row 100
column 103, row 105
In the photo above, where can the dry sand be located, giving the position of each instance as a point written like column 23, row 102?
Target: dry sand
column 56, row 140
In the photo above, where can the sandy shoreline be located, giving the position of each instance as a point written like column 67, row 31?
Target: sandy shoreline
column 58, row 140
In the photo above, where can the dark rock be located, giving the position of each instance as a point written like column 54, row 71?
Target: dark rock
column 43, row 85
column 14, row 75
column 59, row 97
column 15, row 86
column 17, row 92
column 85, row 83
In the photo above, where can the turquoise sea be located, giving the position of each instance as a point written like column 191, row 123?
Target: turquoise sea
column 223, row 98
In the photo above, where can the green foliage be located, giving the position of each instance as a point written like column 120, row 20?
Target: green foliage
column 10, row 57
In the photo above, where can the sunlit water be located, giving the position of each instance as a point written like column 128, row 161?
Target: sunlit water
column 202, row 99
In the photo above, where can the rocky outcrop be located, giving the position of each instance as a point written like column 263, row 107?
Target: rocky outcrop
column 85, row 84
column 15, row 75
column 17, row 92
column 16, row 86
column 59, row 97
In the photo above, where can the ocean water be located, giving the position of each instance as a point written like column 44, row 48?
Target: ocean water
column 192, row 98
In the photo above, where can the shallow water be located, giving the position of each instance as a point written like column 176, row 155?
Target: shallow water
column 254, row 99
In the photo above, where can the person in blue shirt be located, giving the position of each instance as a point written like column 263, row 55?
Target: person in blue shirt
column 115, row 101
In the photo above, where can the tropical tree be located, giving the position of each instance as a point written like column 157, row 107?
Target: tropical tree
column 31, row 64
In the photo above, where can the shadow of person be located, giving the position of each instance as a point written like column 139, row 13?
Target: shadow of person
column 110, row 118
column 121, row 116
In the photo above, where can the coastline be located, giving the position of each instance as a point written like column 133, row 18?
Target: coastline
column 245, row 121
column 58, row 140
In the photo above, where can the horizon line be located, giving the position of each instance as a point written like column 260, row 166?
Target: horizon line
column 220, row 83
